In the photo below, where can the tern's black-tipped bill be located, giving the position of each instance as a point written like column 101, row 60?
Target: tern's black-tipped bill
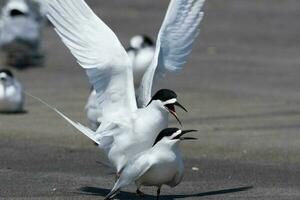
column 180, row 106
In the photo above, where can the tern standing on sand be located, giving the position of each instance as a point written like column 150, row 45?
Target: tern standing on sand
column 11, row 93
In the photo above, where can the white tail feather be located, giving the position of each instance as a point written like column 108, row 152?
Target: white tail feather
column 86, row 131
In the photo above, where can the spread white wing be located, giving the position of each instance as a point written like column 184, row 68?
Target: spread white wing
column 177, row 34
column 98, row 50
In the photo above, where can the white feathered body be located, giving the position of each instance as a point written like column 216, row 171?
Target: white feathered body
column 11, row 97
column 93, row 111
column 168, row 170
column 108, row 67
column 140, row 63
column 147, row 123
column 160, row 165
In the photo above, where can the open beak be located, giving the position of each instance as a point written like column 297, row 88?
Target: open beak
column 171, row 108
column 180, row 106
column 185, row 138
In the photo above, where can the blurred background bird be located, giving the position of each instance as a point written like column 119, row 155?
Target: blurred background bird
column 20, row 34
column 141, row 52
column 11, row 93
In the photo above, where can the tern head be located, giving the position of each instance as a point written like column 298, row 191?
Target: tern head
column 174, row 135
column 168, row 99
column 5, row 75
column 141, row 41
column 18, row 8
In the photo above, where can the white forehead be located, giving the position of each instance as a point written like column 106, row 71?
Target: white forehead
column 137, row 41
column 170, row 101
column 176, row 133
column 20, row 5
column 2, row 74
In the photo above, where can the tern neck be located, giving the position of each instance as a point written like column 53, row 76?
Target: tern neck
column 173, row 145
column 157, row 105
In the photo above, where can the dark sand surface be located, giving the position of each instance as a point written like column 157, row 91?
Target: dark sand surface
column 241, row 86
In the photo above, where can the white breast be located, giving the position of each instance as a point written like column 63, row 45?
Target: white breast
column 93, row 111
column 147, row 124
column 167, row 171
column 11, row 98
column 141, row 63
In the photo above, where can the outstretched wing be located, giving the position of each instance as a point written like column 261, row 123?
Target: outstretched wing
column 99, row 52
column 174, row 43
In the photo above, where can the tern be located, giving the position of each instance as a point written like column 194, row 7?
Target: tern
column 140, row 52
column 11, row 93
column 18, row 22
column 40, row 8
column 93, row 111
column 160, row 165
column 125, row 130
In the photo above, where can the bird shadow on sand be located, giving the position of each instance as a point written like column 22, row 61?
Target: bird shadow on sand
column 23, row 112
column 93, row 191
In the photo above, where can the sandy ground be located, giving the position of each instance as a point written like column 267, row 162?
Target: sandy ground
column 240, row 85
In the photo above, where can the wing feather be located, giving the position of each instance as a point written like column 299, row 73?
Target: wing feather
column 177, row 34
column 98, row 50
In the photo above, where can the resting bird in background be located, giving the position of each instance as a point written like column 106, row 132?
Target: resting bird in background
column 160, row 165
column 125, row 130
column 18, row 22
column 41, row 8
column 140, row 52
column 93, row 111
column 11, row 93
column 20, row 33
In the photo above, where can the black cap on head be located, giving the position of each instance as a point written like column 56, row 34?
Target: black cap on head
column 148, row 41
column 7, row 72
column 165, row 133
column 164, row 95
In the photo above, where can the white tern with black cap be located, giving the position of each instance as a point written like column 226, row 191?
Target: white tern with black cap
column 11, row 92
column 160, row 165
column 125, row 130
